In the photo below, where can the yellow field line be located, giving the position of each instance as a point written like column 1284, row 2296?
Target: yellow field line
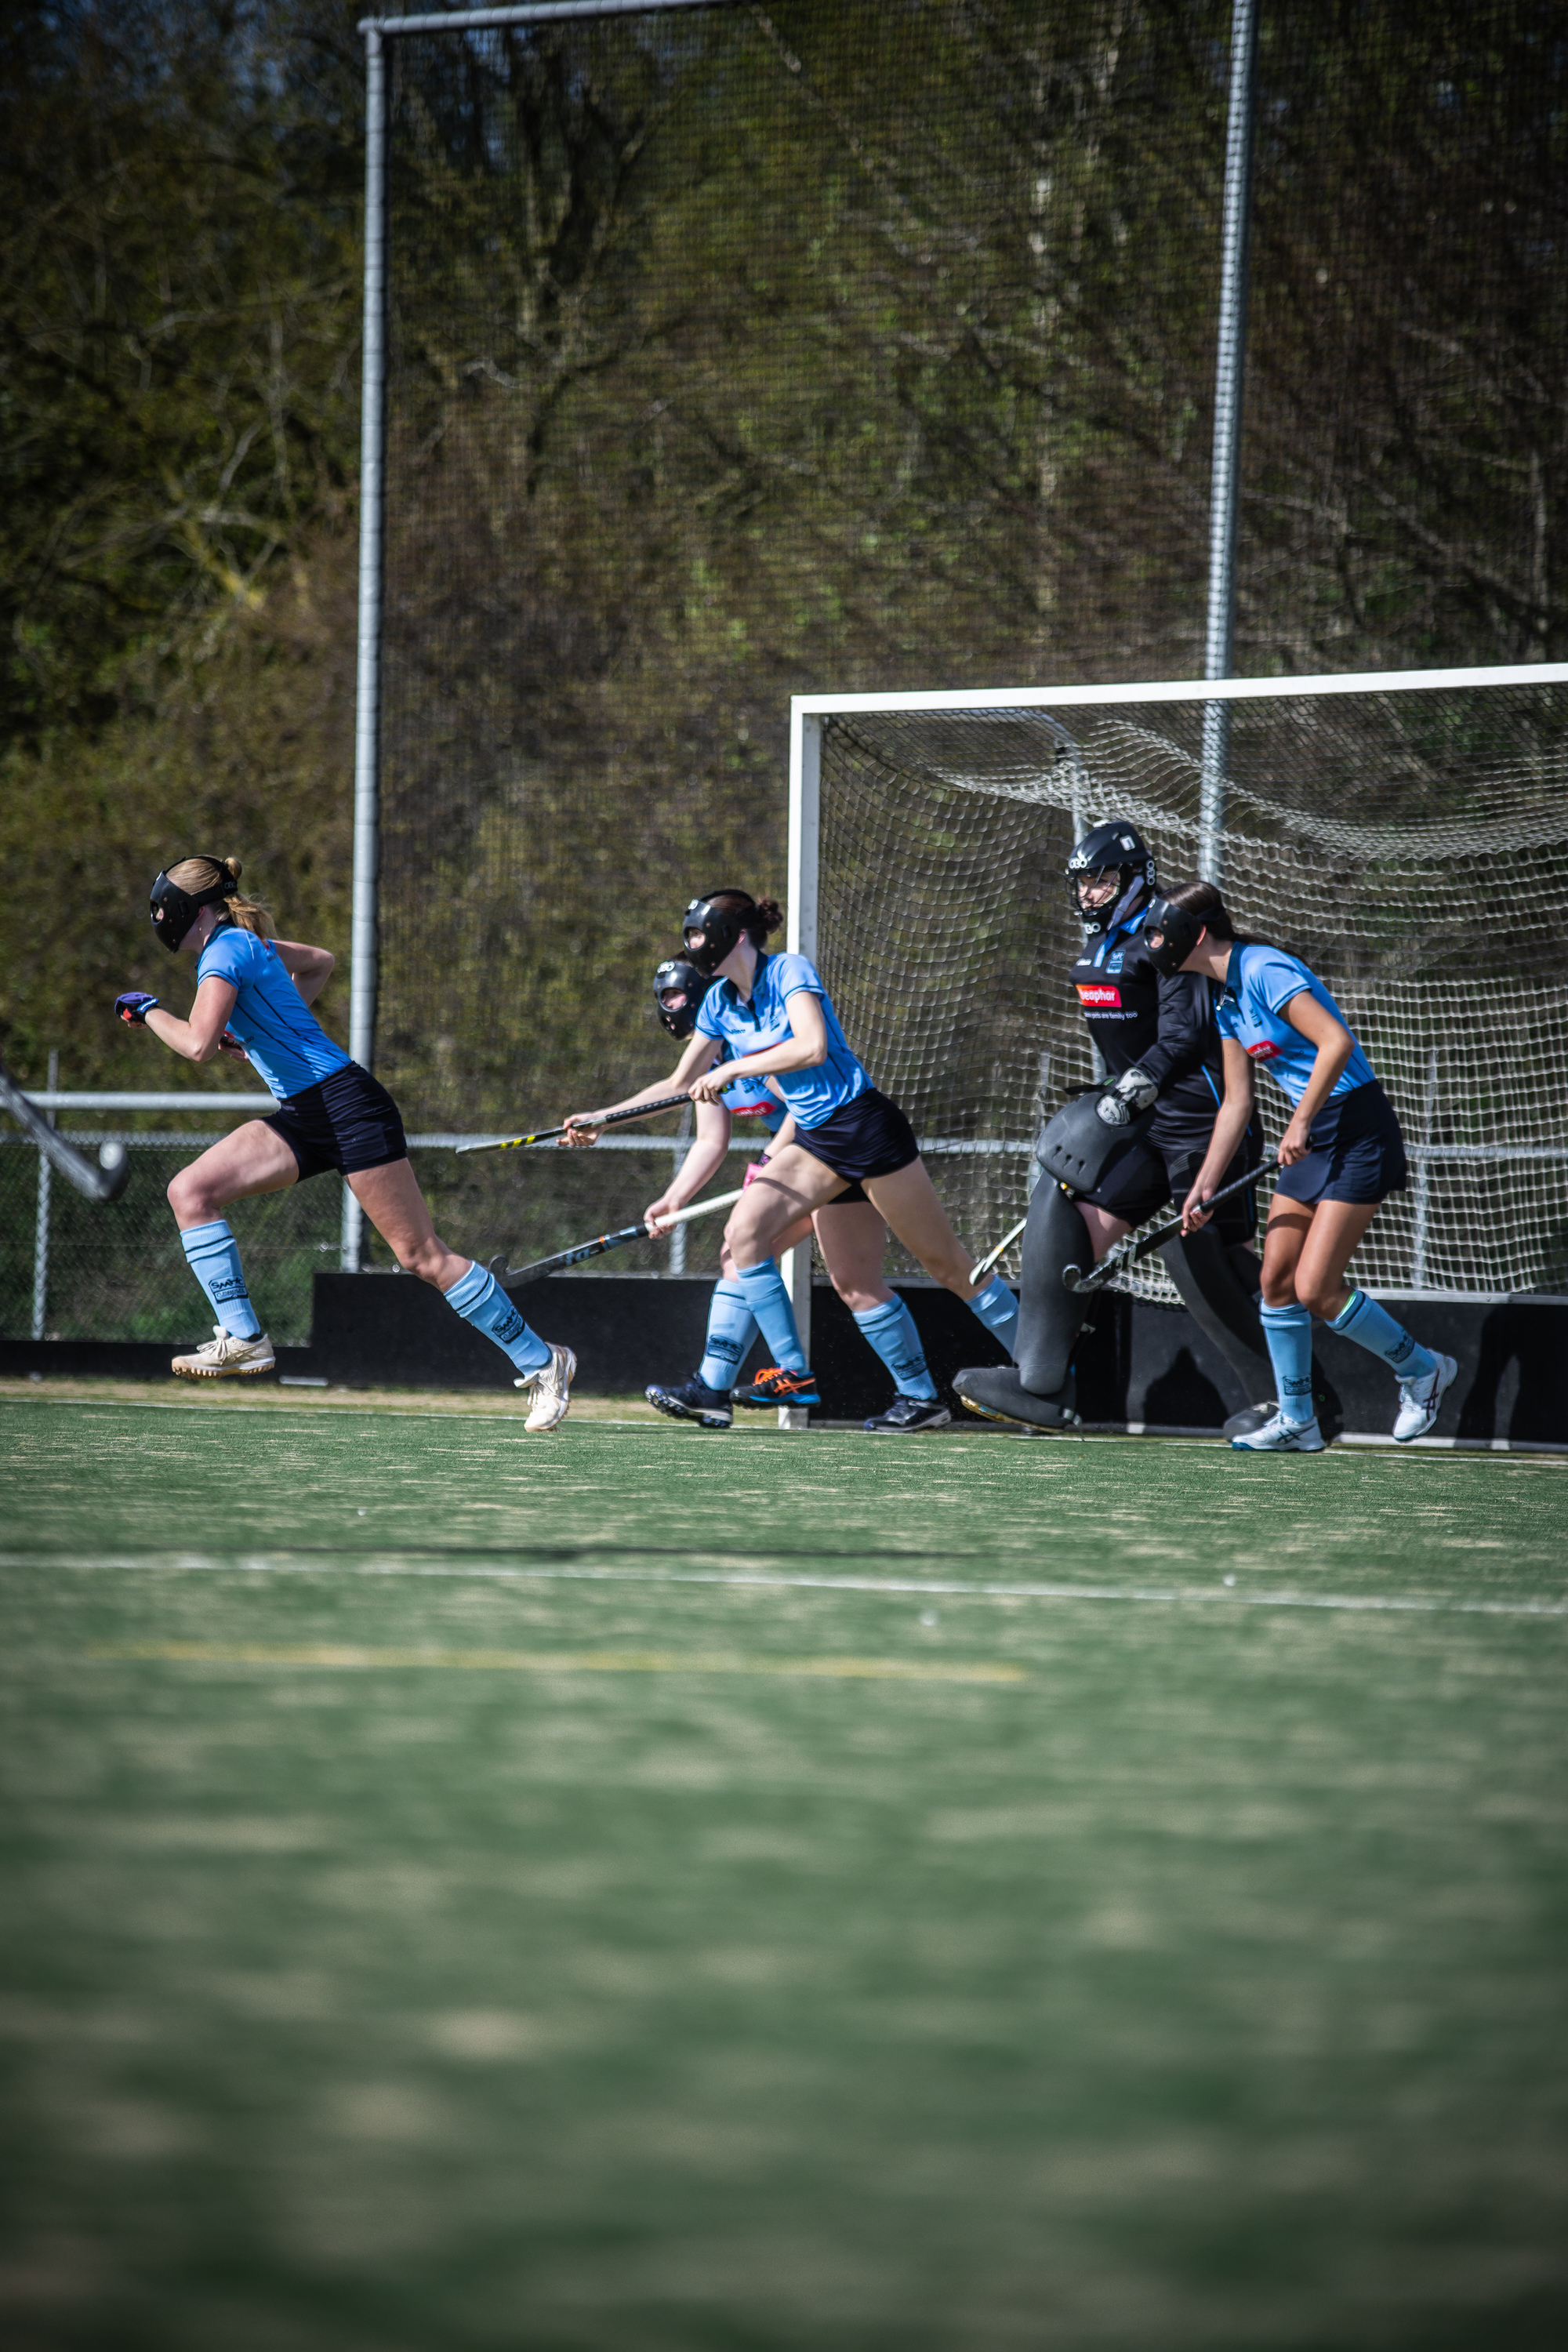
column 572, row 1662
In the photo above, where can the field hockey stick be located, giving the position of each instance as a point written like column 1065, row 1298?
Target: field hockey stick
column 1129, row 1251
column 104, row 1183
column 603, row 1242
column 993, row 1257
column 589, row 1118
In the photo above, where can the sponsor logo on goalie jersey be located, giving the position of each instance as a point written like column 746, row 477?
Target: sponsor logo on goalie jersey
column 1098, row 992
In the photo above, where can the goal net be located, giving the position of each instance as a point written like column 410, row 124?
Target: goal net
column 1409, row 840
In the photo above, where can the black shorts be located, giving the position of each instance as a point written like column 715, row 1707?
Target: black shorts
column 1161, row 1169
column 1357, row 1154
column 348, row 1122
column 867, row 1137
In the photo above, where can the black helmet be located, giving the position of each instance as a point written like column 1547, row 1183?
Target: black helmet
column 679, row 988
column 1116, row 846
column 1177, row 930
column 718, row 929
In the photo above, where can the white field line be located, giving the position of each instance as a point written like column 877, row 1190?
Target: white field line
column 756, row 1580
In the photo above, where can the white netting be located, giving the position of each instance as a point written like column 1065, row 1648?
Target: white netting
column 1412, row 845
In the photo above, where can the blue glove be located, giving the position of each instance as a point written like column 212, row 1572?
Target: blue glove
column 134, row 1005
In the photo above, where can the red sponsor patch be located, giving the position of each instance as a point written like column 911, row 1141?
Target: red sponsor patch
column 1098, row 992
column 1265, row 1051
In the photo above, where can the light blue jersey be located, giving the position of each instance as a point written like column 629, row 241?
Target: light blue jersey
column 1250, row 1007
column 762, row 1021
column 284, row 1039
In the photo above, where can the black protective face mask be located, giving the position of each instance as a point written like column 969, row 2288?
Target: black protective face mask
column 1178, row 931
column 174, row 911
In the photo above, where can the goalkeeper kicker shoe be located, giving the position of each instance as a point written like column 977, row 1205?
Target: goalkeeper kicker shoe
column 1251, row 1419
column 773, row 1385
column 224, row 1357
column 1281, row 1436
column 551, row 1386
column 693, row 1401
column 907, row 1414
column 1421, row 1400
column 996, row 1392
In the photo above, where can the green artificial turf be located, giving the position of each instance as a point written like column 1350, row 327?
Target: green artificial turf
column 629, row 1890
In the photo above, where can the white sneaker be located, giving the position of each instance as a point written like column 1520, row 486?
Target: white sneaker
column 551, row 1386
column 224, row 1357
column 1281, row 1436
column 1420, row 1401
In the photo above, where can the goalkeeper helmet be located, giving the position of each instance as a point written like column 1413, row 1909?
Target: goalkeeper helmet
column 679, row 988
column 1117, row 850
column 711, row 930
column 174, row 911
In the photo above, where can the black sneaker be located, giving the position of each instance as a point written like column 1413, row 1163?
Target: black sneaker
column 693, row 1401
column 773, row 1385
column 907, row 1414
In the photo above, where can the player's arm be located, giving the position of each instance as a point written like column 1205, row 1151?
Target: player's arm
column 803, row 1049
column 1178, row 1047
column 199, row 1038
column 699, row 1054
column 1229, row 1127
column 1335, row 1045
column 308, row 968
column 700, row 1163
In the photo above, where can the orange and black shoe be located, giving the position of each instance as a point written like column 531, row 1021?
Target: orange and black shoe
column 773, row 1385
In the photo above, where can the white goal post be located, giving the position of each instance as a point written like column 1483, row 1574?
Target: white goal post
column 1406, row 831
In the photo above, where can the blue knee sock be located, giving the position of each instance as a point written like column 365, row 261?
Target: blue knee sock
column 998, row 1309
column 890, row 1328
column 213, row 1255
column 1373, row 1328
column 480, row 1300
column 732, row 1328
column 762, row 1289
column 1289, row 1331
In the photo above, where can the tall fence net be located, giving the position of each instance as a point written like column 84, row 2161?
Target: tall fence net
column 1412, row 846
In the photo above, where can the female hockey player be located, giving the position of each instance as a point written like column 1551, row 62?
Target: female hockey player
column 850, row 1234
column 774, row 1014
column 1340, row 1156
column 1155, row 1036
column 252, row 994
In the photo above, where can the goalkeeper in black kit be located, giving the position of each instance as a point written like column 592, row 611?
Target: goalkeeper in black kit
column 1146, row 1139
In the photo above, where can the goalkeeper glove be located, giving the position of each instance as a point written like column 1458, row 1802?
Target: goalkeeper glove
column 134, row 1005
column 1134, row 1091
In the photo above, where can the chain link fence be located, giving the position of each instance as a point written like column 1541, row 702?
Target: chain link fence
column 70, row 1269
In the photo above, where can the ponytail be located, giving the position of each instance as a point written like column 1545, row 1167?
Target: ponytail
column 203, row 874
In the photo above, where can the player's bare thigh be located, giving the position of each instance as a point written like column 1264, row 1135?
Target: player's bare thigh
column 853, row 1240
column 391, row 1199
column 793, row 1185
column 254, row 1159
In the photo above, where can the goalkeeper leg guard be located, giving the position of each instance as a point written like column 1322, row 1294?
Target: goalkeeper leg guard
column 1050, row 1316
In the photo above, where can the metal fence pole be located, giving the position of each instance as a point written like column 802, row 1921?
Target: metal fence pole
column 41, row 1230
column 364, row 958
column 1230, row 360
